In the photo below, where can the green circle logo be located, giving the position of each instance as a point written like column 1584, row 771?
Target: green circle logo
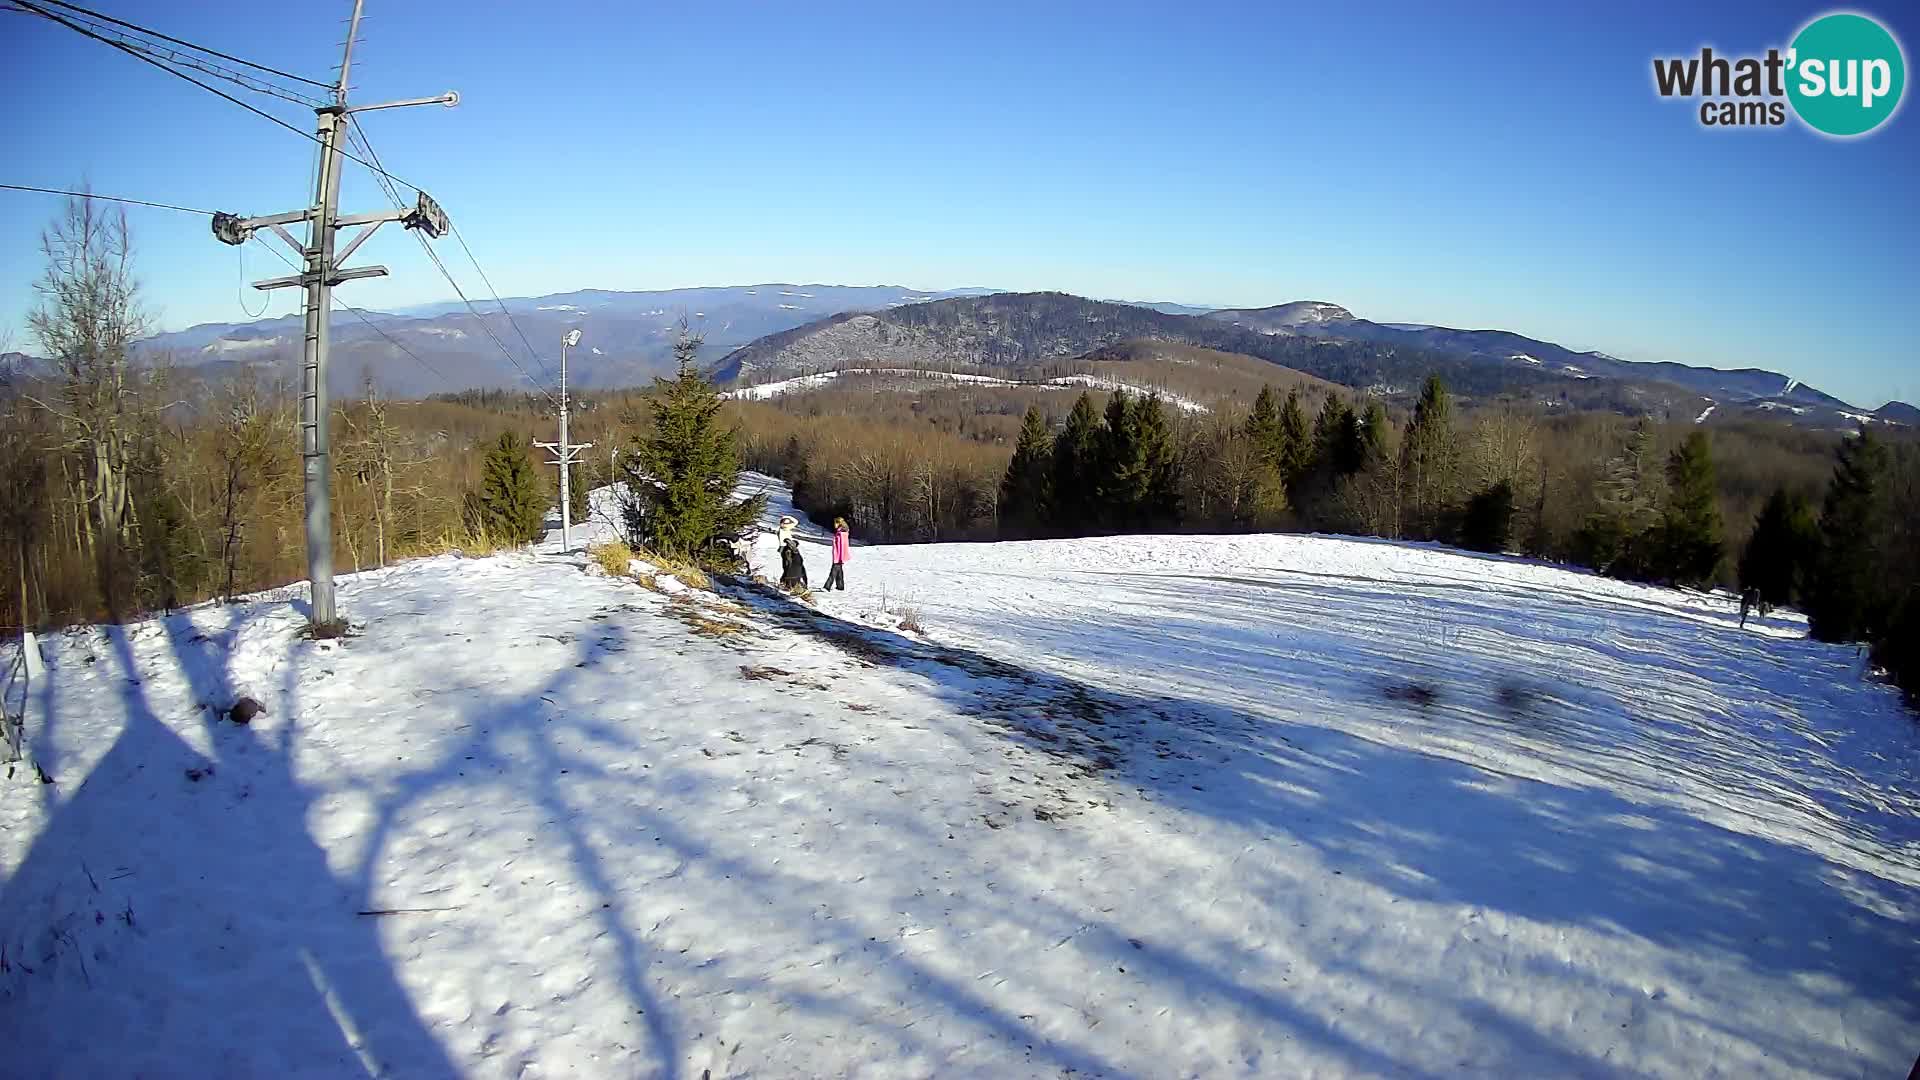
column 1846, row 74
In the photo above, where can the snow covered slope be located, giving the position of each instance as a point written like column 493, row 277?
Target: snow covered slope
column 907, row 376
column 1259, row 806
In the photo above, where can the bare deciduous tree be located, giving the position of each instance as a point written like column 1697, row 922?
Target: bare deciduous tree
column 88, row 316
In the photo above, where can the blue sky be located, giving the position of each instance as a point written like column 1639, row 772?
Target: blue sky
column 1473, row 165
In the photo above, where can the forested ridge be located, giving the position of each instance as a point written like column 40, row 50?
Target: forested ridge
column 127, row 487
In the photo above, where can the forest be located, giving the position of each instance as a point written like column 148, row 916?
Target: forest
column 129, row 487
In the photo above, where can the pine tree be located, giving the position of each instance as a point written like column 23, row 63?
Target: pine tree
column 1160, row 505
column 680, row 477
column 1779, row 554
column 1843, row 598
column 1371, row 496
column 1898, row 648
column 1352, row 439
column 1428, row 460
column 1263, row 427
column 1375, row 431
column 1026, row 492
column 1630, row 489
column 1076, row 458
column 1688, row 546
column 579, row 492
column 1622, row 537
column 1296, row 445
column 1122, row 479
column 1326, row 431
column 509, row 507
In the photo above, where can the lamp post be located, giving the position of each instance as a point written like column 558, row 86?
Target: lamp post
column 564, row 450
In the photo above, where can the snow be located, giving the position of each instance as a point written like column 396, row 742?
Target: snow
column 1141, row 806
column 1794, row 409
column 802, row 383
column 1524, row 358
column 1858, row 418
column 1702, row 418
column 227, row 345
column 441, row 331
column 561, row 307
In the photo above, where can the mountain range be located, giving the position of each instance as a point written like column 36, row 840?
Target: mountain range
column 1031, row 333
column 774, row 331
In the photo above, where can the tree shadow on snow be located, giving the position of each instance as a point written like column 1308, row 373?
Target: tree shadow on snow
column 1434, row 829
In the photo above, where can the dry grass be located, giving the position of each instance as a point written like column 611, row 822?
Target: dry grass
column 685, row 570
column 703, row 622
column 614, row 557
column 909, row 619
column 451, row 542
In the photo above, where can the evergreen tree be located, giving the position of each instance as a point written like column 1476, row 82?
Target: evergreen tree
column 1296, row 445
column 1630, row 490
column 510, row 506
column 1688, row 547
column 1842, row 599
column 1428, row 460
column 1339, row 437
column 1622, row 536
column 680, row 477
column 1161, row 504
column 1350, row 442
column 1370, row 497
column 1375, row 432
column 1026, row 491
column 1122, row 479
column 1263, row 427
column 1898, row 648
column 579, row 491
column 1779, row 554
column 1489, row 519
column 1076, row 461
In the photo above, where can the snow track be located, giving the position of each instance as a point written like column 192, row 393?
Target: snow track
column 1249, row 806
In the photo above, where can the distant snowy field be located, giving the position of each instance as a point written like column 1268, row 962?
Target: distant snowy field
column 1143, row 806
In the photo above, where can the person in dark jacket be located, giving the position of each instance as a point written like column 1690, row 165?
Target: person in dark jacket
column 793, row 568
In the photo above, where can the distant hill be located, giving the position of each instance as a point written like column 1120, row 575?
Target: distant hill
column 1024, row 333
column 1284, row 317
column 1898, row 412
column 628, row 336
column 759, row 332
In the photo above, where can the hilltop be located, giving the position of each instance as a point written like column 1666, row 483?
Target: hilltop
column 1225, row 806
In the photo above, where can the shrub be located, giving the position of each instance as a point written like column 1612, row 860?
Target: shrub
column 1489, row 519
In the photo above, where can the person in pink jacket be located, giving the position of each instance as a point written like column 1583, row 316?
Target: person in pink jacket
column 838, row 575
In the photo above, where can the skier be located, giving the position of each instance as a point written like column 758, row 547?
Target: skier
column 838, row 575
column 1750, row 599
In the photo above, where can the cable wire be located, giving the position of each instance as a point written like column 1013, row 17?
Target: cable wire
column 188, row 44
column 359, row 136
column 375, row 327
column 106, row 198
column 366, row 144
column 137, row 54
